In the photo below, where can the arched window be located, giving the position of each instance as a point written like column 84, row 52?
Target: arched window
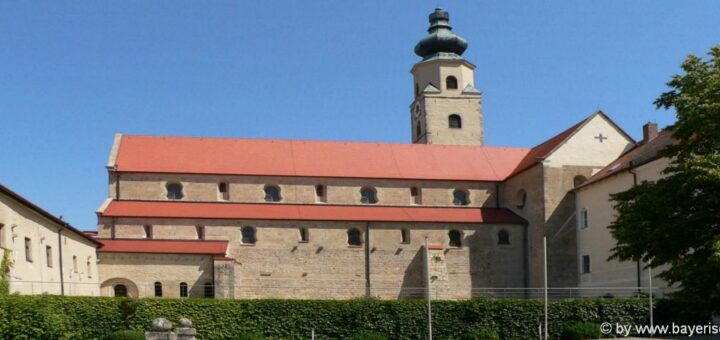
column 303, row 232
column 455, row 238
column 320, row 193
column 158, row 289
column 418, row 130
column 183, row 289
column 454, row 121
column 354, row 237
column 200, row 230
column 503, row 237
column 368, row 195
column 451, row 83
column 272, row 193
column 174, row 191
column 248, row 235
column 404, row 235
column 209, row 290
column 148, row 231
column 223, row 192
column 415, row 195
column 460, row 197
column 579, row 179
column 120, row 291
column 521, row 199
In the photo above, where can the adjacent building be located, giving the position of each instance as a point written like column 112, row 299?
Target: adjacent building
column 596, row 273
column 48, row 255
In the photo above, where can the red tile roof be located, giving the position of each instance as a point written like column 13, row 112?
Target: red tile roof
column 298, row 212
column 164, row 247
column 542, row 150
column 640, row 154
column 234, row 156
column 435, row 246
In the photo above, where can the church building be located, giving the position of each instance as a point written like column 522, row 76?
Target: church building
column 273, row 218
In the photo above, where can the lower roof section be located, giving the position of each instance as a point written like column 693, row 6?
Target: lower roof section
column 301, row 212
column 216, row 248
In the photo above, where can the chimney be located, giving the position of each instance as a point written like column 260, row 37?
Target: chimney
column 650, row 130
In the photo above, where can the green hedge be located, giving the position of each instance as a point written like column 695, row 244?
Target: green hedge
column 54, row 317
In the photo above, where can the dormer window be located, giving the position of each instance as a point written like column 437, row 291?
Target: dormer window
column 272, row 193
column 174, row 191
column 451, row 83
column 368, row 195
column 454, row 121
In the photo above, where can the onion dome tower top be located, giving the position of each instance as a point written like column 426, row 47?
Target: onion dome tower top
column 440, row 41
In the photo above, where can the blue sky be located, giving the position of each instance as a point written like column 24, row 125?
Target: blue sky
column 74, row 73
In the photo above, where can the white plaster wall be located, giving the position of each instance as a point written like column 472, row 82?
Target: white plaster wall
column 38, row 277
column 597, row 241
column 584, row 149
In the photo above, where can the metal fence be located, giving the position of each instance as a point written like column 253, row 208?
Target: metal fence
column 324, row 290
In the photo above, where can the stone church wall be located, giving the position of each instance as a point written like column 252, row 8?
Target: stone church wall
column 280, row 265
column 529, row 181
column 249, row 189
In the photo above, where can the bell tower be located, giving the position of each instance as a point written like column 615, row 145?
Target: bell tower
column 447, row 108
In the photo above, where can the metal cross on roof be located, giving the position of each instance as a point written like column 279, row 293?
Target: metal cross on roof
column 600, row 137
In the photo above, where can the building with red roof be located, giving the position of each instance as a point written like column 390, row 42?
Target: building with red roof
column 247, row 218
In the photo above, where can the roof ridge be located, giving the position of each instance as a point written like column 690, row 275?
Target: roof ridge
column 290, row 140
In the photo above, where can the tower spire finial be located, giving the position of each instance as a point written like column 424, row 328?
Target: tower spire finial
column 440, row 41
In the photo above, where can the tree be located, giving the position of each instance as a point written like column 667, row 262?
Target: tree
column 676, row 220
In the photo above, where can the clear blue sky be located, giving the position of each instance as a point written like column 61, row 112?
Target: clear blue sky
column 74, row 73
